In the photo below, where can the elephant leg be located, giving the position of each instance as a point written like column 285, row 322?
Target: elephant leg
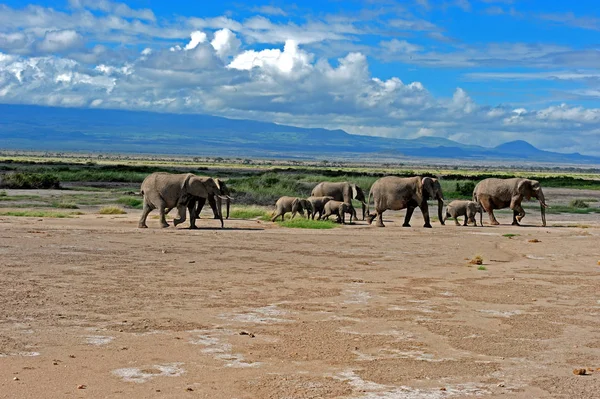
column 379, row 216
column 370, row 218
column 182, row 209
column 409, row 212
column 147, row 209
column 465, row 221
column 277, row 214
column 193, row 214
column 200, row 202
column 293, row 214
column 425, row 211
column 213, row 206
column 343, row 217
column 163, row 220
column 456, row 221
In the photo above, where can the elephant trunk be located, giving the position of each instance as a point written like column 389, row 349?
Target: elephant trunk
column 543, row 211
column 543, row 206
column 440, row 206
column 219, row 208
column 364, row 209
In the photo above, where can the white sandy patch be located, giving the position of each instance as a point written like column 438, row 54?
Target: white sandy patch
column 23, row 354
column 213, row 345
column 498, row 313
column 372, row 390
column 98, row 340
column 355, row 295
column 535, row 257
column 160, row 370
column 265, row 315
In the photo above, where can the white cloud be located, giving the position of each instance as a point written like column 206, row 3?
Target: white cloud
column 270, row 10
column 60, row 40
column 120, row 9
column 290, row 61
column 197, row 37
column 286, row 73
column 225, row 43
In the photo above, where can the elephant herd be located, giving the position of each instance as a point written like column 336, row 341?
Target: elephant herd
column 165, row 191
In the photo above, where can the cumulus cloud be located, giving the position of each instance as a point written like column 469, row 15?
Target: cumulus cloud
column 197, row 37
column 225, row 43
column 110, row 7
column 60, row 40
column 290, row 60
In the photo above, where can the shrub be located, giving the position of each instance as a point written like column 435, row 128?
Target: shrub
column 578, row 203
column 64, row 205
column 111, row 210
column 131, row 202
column 465, row 189
column 29, row 180
column 37, row 214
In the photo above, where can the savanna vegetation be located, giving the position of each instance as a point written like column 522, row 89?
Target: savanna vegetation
column 105, row 181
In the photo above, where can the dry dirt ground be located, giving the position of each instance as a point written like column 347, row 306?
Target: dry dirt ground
column 94, row 307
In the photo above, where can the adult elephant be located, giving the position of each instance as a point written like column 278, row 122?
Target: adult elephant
column 341, row 191
column 509, row 193
column 167, row 190
column 396, row 193
column 224, row 191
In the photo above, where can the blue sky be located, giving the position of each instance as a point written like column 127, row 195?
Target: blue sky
column 475, row 71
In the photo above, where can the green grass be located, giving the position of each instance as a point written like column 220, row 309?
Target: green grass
column 131, row 202
column 482, row 268
column 39, row 214
column 569, row 209
column 64, row 205
column 248, row 213
column 111, row 210
column 510, row 235
column 578, row 203
column 300, row 223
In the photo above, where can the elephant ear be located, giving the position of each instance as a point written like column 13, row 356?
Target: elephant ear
column 427, row 185
column 524, row 188
column 354, row 191
column 295, row 203
column 185, row 188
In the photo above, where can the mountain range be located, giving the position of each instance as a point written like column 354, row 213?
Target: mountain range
column 37, row 128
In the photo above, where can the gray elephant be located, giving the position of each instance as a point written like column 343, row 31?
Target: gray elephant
column 291, row 204
column 341, row 191
column 396, row 193
column 224, row 191
column 338, row 208
column 318, row 204
column 468, row 209
column 509, row 193
column 166, row 191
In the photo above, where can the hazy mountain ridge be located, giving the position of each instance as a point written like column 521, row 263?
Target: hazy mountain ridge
column 38, row 128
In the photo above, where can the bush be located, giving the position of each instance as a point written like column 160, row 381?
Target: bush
column 465, row 189
column 131, row 202
column 29, row 181
column 578, row 203
column 111, row 210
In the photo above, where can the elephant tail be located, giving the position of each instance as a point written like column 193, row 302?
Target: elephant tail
column 369, row 201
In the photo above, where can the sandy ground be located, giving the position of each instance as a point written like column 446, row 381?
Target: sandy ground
column 94, row 307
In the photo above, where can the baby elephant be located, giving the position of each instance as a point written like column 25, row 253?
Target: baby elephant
column 318, row 205
column 468, row 209
column 291, row 204
column 338, row 208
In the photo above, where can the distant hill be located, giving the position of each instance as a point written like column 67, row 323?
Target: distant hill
column 27, row 127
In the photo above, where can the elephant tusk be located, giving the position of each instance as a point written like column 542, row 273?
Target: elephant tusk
column 223, row 197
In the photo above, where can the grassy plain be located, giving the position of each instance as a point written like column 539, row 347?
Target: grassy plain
column 256, row 184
